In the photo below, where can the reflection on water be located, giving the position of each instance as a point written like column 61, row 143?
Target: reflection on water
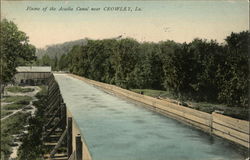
column 115, row 129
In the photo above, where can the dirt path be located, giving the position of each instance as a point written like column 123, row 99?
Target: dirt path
column 14, row 112
column 31, row 94
column 30, row 108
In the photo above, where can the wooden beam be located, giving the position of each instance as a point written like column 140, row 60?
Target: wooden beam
column 69, row 137
column 59, row 143
column 72, row 156
column 53, row 129
column 78, row 147
column 50, row 121
column 55, row 105
column 63, row 115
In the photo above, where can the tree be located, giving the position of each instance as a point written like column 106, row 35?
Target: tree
column 126, row 59
column 233, row 75
column 148, row 72
column 45, row 61
column 63, row 63
column 15, row 50
column 206, row 55
column 201, row 70
column 176, row 63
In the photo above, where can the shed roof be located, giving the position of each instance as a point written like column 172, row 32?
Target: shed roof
column 33, row 69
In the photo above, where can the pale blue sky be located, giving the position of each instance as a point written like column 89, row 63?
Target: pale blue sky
column 180, row 21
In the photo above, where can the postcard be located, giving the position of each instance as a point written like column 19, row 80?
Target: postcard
column 125, row 80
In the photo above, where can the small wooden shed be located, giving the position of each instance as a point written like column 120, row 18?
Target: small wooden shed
column 32, row 75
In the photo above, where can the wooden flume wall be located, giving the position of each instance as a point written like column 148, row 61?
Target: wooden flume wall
column 60, row 122
column 232, row 129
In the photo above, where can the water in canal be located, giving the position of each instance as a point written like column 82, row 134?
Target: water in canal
column 116, row 129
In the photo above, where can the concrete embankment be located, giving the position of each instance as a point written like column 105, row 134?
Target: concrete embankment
column 234, row 130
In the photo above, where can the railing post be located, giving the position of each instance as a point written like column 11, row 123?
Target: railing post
column 78, row 147
column 69, row 137
column 63, row 115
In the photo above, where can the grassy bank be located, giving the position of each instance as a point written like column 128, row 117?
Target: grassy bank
column 16, row 102
column 32, row 147
column 13, row 125
column 13, row 106
column 5, row 113
column 17, row 99
column 154, row 93
column 43, row 92
column 10, row 126
column 235, row 112
column 16, row 89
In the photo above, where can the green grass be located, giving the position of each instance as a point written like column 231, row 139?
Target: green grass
column 10, row 126
column 13, row 106
column 43, row 92
column 16, row 89
column 17, row 99
column 154, row 93
column 235, row 112
column 35, row 149
column 5, row 113
column 14, row 124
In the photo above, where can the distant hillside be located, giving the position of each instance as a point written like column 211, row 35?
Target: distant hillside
column 59, row 49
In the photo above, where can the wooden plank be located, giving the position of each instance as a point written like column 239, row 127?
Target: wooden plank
column 78, row 148
column 69, row 137
column 233, row 139
column 50, row 143
column 72, row 156
column 186, row 115
column 231, row 132
column 52, row 119
column 53, row 129
column 187, row 110
column 56, row 155
column 59, row 143
column 186, row 121
column 237, row 124
column 62, row 157
column 51, row 105
column 55, row 136
column 63, row 115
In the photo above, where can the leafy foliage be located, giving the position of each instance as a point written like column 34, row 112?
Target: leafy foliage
column 201, row 70
column 57, row 50
column 10, row 126
column 32, row 147
column 15, row 50
column 233, row 74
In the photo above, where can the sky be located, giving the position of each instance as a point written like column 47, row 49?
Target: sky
column 181, row 21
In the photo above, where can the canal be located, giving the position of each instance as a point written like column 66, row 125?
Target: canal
column 117, row 129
